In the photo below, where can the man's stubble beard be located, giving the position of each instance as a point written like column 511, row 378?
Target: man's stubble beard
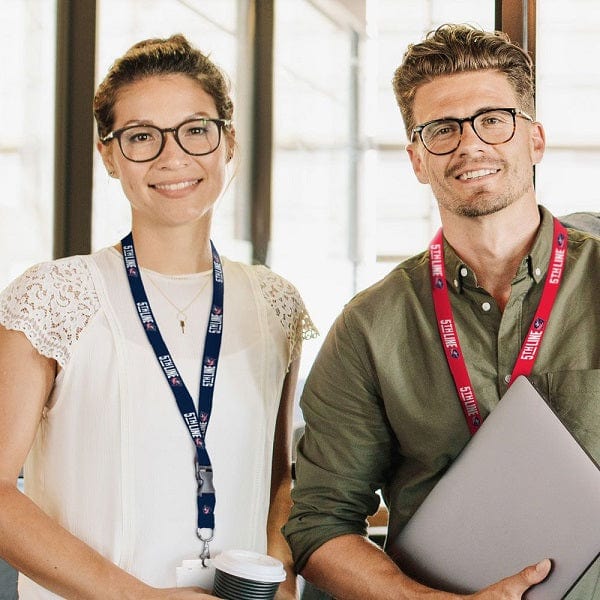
column 481, row 203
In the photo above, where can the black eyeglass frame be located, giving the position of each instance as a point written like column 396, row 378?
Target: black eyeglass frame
column 514, row 112
column 117, row 133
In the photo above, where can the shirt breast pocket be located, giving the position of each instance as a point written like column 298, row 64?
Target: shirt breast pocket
column 575, row 396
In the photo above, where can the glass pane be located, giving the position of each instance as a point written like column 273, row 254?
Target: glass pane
column 212, row 26
column 568, row 85
column 27, row 125
column 314, row 121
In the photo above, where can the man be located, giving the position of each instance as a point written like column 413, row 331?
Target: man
column 381, row 405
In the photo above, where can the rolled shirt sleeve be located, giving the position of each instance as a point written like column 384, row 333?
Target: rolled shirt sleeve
column 346, row 451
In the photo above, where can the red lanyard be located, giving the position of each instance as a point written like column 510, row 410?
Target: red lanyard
column 449, row 335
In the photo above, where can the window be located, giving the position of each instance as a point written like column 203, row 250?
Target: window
column 27, row 141
column 568, row 86
column 315, row 126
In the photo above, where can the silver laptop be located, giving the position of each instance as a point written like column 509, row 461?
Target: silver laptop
column 522, row 490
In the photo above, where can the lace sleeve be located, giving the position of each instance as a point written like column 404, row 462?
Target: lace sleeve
column 51, row 303
column 285, row 300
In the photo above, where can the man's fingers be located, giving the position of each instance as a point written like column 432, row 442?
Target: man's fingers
column 538, row 572
column 512, row 588
column 531, row 575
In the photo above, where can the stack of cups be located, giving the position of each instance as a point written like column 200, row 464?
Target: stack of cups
column 244, row 575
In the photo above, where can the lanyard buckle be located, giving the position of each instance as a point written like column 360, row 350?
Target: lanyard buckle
column 204, row 478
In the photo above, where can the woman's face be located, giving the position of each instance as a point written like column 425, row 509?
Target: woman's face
column 175, row 188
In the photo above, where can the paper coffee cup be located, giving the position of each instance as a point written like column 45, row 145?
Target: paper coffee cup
column 245, row 575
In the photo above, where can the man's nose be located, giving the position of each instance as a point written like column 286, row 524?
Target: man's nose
column 468, row 137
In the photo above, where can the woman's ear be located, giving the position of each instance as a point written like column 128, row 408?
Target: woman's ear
column 231, row 144
column 106, row 154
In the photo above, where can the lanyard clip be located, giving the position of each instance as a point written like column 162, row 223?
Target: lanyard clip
column 206, row 536
column 204, row 478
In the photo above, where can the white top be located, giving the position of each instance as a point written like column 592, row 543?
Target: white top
column 113, row 460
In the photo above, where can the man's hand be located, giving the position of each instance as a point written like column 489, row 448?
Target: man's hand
column 513, row 588
column 332, row 568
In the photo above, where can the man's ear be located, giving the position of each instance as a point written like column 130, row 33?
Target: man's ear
column 416, row 160
column 538, row 142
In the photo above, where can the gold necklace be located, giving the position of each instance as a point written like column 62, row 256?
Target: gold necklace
column 181, row 314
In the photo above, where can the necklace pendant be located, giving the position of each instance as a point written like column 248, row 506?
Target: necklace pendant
column 181, row 317
column 181, row 314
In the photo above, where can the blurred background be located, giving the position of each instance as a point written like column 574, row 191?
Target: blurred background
column 323, row 191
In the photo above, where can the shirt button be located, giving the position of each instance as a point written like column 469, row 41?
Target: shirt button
column 538, row 271
column 486, row 306
column 464, row 272
column 507, row 378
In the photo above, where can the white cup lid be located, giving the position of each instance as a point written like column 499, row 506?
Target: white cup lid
column 250, row 565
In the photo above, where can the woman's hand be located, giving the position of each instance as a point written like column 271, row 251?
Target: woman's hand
column 184, row 593
column 285, row 594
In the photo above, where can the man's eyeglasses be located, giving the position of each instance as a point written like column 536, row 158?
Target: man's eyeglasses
column 142, row 143
column 494, row 126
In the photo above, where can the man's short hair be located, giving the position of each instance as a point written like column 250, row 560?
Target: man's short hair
column 452, row 49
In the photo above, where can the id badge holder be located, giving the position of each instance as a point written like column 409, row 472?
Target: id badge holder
column 192, row 573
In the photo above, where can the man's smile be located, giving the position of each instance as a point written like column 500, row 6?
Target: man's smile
column 468, row 175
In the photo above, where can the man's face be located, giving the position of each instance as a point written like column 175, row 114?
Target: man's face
column 476, row 179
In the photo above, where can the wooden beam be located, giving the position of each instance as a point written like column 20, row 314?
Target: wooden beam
column 517, row 19
column 74, row 131
column 262, row 130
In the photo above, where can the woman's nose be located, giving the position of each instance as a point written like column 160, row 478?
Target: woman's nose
column 172, row 152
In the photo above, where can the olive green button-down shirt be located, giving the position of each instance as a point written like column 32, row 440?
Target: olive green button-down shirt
column 380, row 405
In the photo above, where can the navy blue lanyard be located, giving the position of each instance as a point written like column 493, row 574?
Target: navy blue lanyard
column 196, row 421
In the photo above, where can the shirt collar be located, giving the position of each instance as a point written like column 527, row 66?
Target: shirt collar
column 534, row 265
column 538, row 259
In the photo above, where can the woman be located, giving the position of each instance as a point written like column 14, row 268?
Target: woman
column 129, row 469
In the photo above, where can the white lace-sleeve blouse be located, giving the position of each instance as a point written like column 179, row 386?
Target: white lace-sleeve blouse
column 113, row 461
